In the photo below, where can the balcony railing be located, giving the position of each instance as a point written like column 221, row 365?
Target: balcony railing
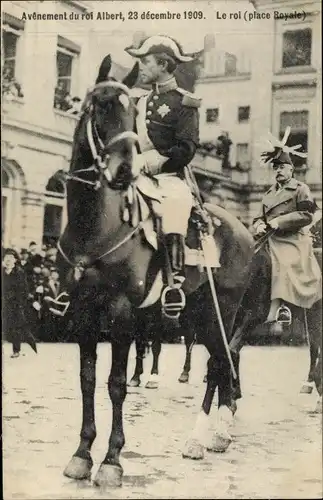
column 65, row 123
column 13, row 107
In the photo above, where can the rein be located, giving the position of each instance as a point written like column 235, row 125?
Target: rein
column 108, row 252
column 100, row 166
column 263, row 239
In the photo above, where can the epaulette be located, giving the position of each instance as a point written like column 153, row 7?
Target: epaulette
column 189, row 99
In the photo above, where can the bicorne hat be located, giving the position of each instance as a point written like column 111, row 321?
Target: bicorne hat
column 279, row 153
column 158, row 44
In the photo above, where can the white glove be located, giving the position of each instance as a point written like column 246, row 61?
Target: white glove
column 261, row 228
column 40, row 289
column 37, row 306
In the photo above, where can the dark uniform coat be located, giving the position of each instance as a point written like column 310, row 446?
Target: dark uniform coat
column 296, row 276
column 170, row 121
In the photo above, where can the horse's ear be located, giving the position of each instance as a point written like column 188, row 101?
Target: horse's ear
column 104, row 69
column 132, row 77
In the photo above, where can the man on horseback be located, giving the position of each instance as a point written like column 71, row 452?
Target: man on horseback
column 287, row 211
column 168, row 128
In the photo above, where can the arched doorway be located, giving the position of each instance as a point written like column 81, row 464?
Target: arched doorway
column 13, row 184
column 54, row 210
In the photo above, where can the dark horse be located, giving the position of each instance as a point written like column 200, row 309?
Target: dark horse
column 107, row 265
column 254, row 311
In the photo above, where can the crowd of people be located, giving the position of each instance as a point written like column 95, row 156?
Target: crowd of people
column 11, row 88
column 30, row 283
column 64, row 101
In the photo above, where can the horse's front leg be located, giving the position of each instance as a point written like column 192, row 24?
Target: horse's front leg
column 81, row 463
column 110, row 471
column 139, row 369
column 199, row 439
column 190, row 339
column 153, row 381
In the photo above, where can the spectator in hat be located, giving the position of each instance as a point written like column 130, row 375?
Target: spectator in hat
column 14, row 296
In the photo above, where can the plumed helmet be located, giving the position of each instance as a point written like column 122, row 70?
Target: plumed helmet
column 159, row 44
column 279, row 151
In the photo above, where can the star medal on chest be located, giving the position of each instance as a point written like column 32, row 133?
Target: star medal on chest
column 163, row 110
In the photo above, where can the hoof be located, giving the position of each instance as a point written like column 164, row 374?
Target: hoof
column 79, row 468
column 220, row 442
column 193, row 450
column 233, row 407
column 307, row 388
column 184, row 378
column 134, row 382
column 205, row 379
column 151, row 385
column 153, row 382
column 109, row 476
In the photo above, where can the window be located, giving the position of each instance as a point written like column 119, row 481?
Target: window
column 212, row 115
column 230, row 64
column 298, row 122
column 297, row 48
column 66, row 67
column 243, row 114
column 11, row 40
column 4, row 201
column 54, row 210
column 242, row 155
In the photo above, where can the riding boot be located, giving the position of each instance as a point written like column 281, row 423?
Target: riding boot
column 175, row 244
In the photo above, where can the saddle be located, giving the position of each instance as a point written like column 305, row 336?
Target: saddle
column 142, row 206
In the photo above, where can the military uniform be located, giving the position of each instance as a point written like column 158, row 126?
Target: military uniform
column 167, row 126
column 289, row 208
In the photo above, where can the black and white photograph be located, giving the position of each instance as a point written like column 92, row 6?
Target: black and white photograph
column 161, row 184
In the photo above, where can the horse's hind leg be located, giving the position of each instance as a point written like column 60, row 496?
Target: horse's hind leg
column 139, row 369
column 190, row 339
column 110, row 471
column 308, row 385
column 318, row 382
column 153, row 381
column 81, row 463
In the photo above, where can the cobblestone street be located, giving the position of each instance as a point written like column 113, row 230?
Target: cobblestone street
column 276, row 451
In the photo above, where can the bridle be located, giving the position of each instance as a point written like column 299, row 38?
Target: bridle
column 101, row 166
column 100, row 154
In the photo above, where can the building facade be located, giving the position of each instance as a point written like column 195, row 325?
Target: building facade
column 39, row 68
column 277, row 84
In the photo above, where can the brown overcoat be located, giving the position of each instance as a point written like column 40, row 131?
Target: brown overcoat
column 296, row 276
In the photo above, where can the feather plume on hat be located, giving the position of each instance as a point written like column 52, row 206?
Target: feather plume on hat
column 279, row 152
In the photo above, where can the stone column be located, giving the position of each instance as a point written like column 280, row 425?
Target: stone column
column 33, row 218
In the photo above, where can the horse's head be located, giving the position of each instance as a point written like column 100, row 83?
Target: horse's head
column 106, row 131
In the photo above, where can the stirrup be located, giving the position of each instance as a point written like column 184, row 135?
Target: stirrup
column 173, row 306
column 284, row 315
column 60, row 304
